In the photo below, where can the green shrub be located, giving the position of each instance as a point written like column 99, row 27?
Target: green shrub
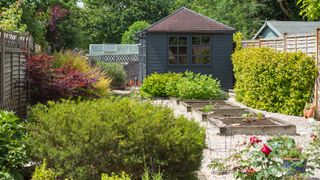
column 122, row 176
column 274, row 81
column 12, row 147
column 197, row 86
column 186, row 85
column 156, row 84
column 115, row 72
column 41, row 173
column 129, row 36
column 84, row 139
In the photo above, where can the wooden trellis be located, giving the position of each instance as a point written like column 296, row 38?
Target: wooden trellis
column 13, row 90
column 116, row 58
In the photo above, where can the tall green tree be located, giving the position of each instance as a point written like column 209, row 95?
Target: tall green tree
column 310, row 9
column 129, row 36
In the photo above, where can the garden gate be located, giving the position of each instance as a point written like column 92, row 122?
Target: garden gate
column 13, row 84
column 126, row 54
column 306, row 43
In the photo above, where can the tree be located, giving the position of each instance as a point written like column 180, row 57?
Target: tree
column 10, row 19
column 310, row 9
column 129, row 37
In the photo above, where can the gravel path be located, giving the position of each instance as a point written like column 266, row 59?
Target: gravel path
column 221, row 146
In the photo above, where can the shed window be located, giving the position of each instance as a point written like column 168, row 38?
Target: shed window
column 178, row 50
column 200, row 50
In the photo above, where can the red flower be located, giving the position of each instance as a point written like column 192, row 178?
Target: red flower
column 266, row 150
column 254, row 140
column 250, row 171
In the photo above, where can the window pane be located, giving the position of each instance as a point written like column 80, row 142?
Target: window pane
column 173, row 51
column 183, row 50
column 183, row 41
column 183, row 60
column 205, row 50
column 196, row 40
column 195, row 50
column 195, row 59
column 205, row 60
column 205, row 40
column 173, row 60
column 173, row 41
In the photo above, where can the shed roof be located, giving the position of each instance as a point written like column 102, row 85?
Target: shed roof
column 289, row 27
column 188, row 21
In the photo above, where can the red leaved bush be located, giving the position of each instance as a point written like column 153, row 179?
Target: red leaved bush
column 50, row 83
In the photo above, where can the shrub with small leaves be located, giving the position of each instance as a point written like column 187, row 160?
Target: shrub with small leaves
column 84, row 139
column 115, row 72
column 272, row 80
column 12, row 147
column 42, row 172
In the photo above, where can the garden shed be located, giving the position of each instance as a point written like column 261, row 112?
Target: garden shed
column 186, row 40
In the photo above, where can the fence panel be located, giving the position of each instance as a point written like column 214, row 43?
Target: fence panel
column 13, row 84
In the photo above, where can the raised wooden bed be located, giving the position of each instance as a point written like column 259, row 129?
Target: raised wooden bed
column 187, row 105
column 266, row 126
column 222, row 111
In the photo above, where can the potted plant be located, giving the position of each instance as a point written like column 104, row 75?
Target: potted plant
column 248, row 117
column 309, row 110
column 293, row 158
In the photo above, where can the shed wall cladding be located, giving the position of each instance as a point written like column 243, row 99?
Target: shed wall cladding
column 220, row 67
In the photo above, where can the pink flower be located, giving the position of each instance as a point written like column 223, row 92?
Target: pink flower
column 254, row 140
column 266, row 150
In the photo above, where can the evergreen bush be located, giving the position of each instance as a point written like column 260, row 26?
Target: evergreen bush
column 274, row 81
column 115, row 72
column 82, row 140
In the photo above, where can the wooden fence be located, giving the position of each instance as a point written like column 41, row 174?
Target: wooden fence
column 13, row 84
column 306, row 43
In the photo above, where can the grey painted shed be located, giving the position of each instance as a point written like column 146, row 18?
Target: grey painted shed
column 186, row 40
column 274, row 29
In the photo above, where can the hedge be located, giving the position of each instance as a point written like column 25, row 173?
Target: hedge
column 82, row 140
column 274, row 81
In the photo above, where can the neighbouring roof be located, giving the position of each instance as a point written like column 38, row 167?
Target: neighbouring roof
column 289, row 27
column 188, row 21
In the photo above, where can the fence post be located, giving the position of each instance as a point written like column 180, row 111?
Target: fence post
column 284, row 42
column 316, row 85
column 2, row 85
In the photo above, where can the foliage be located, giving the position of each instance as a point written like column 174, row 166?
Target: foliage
column 122, row 176
column 310, row 9
column 186, row 85
column 151, row 176
column 84, row 139
column 41, row 172
column 10, row 19
column 156, row 84
column 273, row 81
column 258, row 161
column 64, row 76
column 219, row 165
column 197, row 86
column 284, row 146
column 237, row 39
column 208, row 108
column 115, row 72
column 313, row 150
column 12, row 147
column 129, row 36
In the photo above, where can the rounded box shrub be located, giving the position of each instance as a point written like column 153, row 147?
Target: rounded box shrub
column 272, row 80
column 82, row 140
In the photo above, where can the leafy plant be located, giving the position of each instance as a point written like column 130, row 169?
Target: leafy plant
column 187, row 85
column 81, row 140
column 208, row 108
column 115, row 72
column 285, row 146
column 260, row 116
column 220, row 165
column 68, row 76
column 313, row 151
column 129, row 36
column 273, row 81
column 10, row 19
column 41, row 172
column 122, row 176
column 12, row 147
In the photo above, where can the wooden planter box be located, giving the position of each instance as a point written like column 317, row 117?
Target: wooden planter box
column 218, row 112
column 268, row 126
column 187, row 105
